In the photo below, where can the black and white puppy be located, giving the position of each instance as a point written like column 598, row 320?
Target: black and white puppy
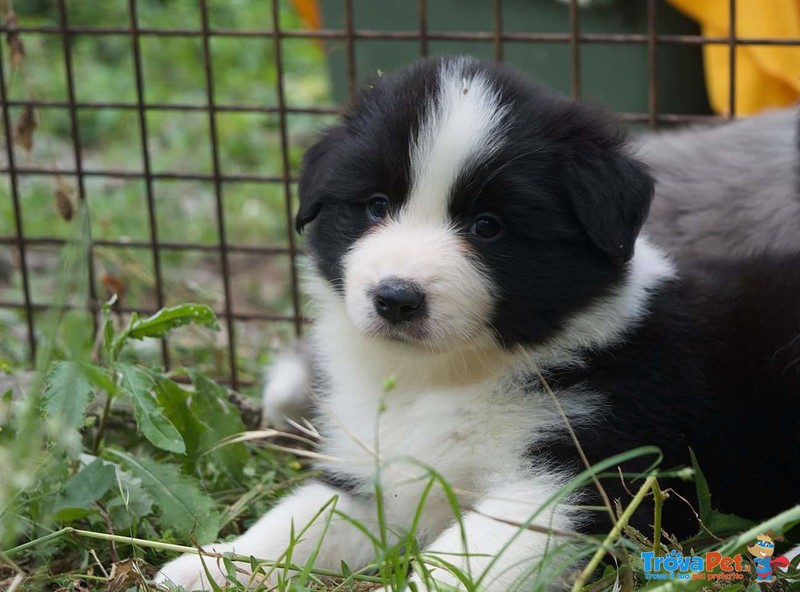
column 468, row 230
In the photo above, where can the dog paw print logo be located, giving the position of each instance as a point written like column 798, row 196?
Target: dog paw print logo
column 762, row 552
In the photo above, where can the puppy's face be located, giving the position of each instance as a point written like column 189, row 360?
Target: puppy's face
column 458, row 201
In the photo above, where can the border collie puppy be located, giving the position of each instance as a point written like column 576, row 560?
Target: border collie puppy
column 480, row 285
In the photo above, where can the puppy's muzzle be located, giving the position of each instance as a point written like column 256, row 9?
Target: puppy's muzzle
column 398, row 300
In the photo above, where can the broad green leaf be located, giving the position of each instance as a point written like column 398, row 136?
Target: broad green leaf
column 182, row 506
column 724, row 524
column 210, row 401
column 204, row 418
column 718, row 523
column 156, row 427
column 703, row 492
column 167, row 319
column 131, row 503
column 68, row 393
column 83, row 489
column 175, row 402
column 100, row 379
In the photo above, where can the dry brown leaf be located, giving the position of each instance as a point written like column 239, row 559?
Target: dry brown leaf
column 114, row 285
column 64, row 201
column 124, row 575
column 14, row 40
column 24, row 128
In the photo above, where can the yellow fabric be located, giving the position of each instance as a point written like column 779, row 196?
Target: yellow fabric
column 766, row 76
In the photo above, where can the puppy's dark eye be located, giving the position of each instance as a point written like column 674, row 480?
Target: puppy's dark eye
column 378, row 206
column 486, row 226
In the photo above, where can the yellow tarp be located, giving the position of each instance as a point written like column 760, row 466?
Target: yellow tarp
column 766, row 76
column 309, row 12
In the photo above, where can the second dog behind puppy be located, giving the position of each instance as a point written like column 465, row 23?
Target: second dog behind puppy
column 728, row 189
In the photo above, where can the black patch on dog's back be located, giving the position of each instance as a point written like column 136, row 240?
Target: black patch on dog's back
column 715, row 367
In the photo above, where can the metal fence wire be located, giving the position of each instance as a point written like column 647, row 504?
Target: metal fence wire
column 344, row 40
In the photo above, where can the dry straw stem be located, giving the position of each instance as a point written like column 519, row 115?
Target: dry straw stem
column 580, row 582
column 581, row 453
column 68, row 530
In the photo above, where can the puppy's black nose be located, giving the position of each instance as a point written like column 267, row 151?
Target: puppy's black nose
column 398, row 300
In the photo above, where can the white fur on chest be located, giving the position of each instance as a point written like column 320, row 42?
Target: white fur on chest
column 462, row 432
column 471, row 419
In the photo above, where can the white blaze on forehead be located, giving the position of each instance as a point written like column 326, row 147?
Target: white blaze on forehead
column 462, row 126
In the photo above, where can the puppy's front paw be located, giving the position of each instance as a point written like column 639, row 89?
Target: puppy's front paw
column 287, row 391
column 195, row 572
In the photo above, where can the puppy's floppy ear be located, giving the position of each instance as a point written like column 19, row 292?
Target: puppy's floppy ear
column 610, row 193
column 317, row 165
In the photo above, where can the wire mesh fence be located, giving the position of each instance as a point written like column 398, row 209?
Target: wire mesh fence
column 188, row 166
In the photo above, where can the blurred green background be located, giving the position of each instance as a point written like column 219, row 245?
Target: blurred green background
column 249, row 144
